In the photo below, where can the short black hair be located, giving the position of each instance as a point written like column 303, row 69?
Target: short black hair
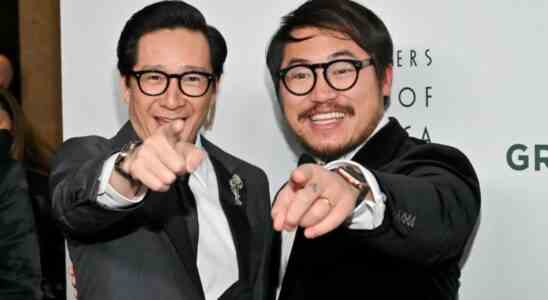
column 345, row 16
column 170, row 14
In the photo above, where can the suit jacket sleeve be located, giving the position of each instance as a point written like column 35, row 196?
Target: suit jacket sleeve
column 433, row 201
column 74, row 183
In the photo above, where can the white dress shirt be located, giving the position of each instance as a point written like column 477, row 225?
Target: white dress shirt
column 368, row 215
column 216, row 259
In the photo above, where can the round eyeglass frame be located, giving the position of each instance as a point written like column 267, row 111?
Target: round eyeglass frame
column 138, row 74
column 358, row 64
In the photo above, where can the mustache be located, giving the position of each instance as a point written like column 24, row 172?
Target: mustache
column 348, row 110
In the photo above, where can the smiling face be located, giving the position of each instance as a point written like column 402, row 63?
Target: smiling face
column 328, row 122
column 173, row 51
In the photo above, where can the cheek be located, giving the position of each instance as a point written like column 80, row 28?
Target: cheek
column 290, row 115
column 199, row 115
column 290, row 108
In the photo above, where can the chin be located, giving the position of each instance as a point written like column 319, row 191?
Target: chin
column 328, row 152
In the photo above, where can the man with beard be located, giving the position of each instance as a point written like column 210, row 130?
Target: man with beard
column 372, row 212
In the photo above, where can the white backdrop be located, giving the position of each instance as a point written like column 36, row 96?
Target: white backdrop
column 468, row 73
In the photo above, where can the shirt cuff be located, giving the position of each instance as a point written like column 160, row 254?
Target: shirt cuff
column 107, row 195
column 370, row 213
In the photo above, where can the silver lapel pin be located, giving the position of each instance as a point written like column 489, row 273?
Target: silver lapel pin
column 236, row 186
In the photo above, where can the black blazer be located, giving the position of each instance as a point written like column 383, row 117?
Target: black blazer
column 433, row 201
column 19, row 252
column 145, row 253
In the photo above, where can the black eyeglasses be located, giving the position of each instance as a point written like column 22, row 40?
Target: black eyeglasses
column 155, row 83
column 340, row 74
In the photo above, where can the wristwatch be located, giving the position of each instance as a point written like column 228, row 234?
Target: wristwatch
column 126, row 150
column 354, row 177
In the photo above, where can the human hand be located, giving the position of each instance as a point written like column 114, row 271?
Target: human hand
column 314, row 198
column 162, row 157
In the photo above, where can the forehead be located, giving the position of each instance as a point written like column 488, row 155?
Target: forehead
column 319, row 45
column 173, row 50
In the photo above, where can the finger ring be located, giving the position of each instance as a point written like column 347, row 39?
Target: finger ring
column 328, row 202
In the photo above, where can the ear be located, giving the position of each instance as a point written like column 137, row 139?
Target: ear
column 124, row 88
column 387, row 81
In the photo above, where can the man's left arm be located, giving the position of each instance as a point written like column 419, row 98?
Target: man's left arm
column 431, row 205
column 431, row 211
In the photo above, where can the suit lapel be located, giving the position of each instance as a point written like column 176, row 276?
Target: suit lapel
column 382, row 147
column 238, row 213
column 235, row 211
column 174, row 212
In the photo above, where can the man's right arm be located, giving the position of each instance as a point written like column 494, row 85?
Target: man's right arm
column 83, row 202
column 74, row 183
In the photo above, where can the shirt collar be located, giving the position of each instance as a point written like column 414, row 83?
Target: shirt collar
column 203, row 174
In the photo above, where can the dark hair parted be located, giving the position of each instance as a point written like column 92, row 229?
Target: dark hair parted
column 27, row 146
column 170, row 14
column 348, row 17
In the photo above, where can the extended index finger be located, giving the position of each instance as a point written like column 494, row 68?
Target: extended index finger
column 191, row 154
column 304, row 174
column 280, row 206
column 172, row 131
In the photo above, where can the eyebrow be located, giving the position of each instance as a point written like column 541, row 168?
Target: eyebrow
column 338, row 54
column 183, row 68
column 342, row 53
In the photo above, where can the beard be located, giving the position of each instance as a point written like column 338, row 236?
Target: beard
column 329, row 153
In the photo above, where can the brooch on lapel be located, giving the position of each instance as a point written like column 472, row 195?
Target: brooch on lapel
column 236, row 186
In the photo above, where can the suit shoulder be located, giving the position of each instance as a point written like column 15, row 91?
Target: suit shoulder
column 81, row 148
column 417, row 146
column 85, row 141
column 83, row 145
column 416, row 152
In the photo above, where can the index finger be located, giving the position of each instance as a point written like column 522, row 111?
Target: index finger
column 280, row 207
column 304, row 174
column 191, row 154
column 172, row 131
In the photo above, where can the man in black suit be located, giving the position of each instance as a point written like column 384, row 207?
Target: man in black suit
column 387, row 216
column 158, row 211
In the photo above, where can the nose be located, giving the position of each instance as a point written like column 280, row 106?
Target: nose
column 173, row 97
column 322, row 91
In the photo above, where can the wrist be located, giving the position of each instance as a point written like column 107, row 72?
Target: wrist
column 356, row 180
column 121, row 164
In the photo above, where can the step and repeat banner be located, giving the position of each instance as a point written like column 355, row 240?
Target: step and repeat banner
column 467, row 73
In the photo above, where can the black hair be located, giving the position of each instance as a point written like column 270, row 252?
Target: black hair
column 345, row 16
column 169, row 14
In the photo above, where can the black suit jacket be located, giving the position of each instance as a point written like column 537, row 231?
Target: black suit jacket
column 433, row 200
column 146, row 252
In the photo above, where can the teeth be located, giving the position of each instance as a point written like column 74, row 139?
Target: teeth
column 327, row 116
column 168, row 119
